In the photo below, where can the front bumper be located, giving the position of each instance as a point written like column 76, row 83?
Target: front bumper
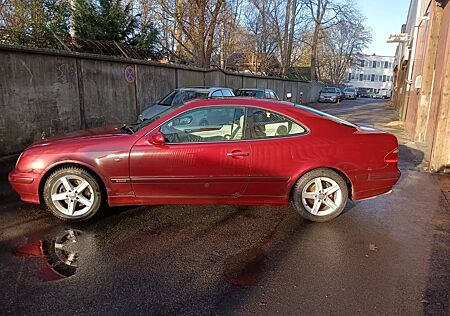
column 26, row 185
column 327, row 99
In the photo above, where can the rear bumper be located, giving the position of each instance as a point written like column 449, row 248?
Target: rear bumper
column 26, row 185
column 376, row 183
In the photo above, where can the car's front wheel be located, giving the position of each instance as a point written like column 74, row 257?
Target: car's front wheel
column 320, row 195
column 72, row 194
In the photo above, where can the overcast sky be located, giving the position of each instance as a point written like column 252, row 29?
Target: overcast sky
column 384, row 17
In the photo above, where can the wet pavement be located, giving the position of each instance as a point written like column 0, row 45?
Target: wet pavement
column 389, row 255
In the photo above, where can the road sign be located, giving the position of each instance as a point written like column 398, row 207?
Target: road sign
column 130, row 74
column 398, row 38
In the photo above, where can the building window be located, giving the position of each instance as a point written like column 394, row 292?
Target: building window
column 373, row 78
column 386, row 64
column 361, row 77
column 349, row 76
column 374, row 64
column 361, row 63
column 384, row 78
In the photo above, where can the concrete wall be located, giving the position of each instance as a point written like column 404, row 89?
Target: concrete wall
column 52, row 92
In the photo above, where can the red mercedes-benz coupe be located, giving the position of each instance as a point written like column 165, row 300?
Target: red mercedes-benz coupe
column 230, row 151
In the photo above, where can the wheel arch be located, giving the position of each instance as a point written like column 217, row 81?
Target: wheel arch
column 338, row 171
column 63, row 164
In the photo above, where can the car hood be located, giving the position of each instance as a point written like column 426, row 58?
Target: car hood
column 99, row 132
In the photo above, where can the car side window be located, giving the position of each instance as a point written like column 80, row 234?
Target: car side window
column 217, row 93
column 209, row 124
column 273, row 95
column 266, row 124
column 227, row 93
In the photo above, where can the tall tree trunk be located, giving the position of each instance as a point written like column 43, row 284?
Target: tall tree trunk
column 318, row 17
column 178, row 27
column 284, row 42
column 291, row 36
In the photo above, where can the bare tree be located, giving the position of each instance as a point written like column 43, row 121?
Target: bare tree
column 342, row 47
column 279, row 21
column 324, row 14
column 196, row 24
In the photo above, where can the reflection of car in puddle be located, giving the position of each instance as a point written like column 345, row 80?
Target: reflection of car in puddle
column 60, row 255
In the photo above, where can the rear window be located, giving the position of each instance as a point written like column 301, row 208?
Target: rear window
column 250, row 93
column 328, row 116
column 329, row 90
column 178, row 97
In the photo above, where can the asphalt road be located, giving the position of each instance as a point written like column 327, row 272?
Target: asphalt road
column 389, row 255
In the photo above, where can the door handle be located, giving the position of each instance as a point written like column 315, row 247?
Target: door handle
column 238, row 154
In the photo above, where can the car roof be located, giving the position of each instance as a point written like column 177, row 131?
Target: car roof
column 252, row 89
column 269, row 104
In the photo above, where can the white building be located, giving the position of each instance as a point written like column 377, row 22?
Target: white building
column 372, row 72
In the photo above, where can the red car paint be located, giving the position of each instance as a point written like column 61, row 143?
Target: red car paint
column 140, row 168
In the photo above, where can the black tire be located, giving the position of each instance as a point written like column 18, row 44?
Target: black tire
column 80, row 173
column 296, row 197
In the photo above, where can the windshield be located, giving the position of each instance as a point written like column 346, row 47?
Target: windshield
column 178, row 97
column 250, row 93
column 328, row 116
column 328, row 90
column 349, row 90
column 134, row 127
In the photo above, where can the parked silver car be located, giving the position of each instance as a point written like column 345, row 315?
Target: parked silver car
column 330, row 94
column 350, row 93
column 178, row 96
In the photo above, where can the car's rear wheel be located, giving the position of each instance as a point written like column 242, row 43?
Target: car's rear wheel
column 72, row 194
column 320, row 195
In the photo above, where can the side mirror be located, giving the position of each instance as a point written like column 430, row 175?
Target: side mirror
column 157, row 138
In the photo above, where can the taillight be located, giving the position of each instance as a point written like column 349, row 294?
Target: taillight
column 392, row 157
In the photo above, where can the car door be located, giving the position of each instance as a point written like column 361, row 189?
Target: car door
column 196, row 160
column 273, row 140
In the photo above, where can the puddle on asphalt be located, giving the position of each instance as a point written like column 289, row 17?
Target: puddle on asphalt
column 243, row 269
column 59, row 255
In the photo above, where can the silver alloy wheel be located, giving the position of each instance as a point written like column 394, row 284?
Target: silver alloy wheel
column 321, row 196
column 72, row 195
